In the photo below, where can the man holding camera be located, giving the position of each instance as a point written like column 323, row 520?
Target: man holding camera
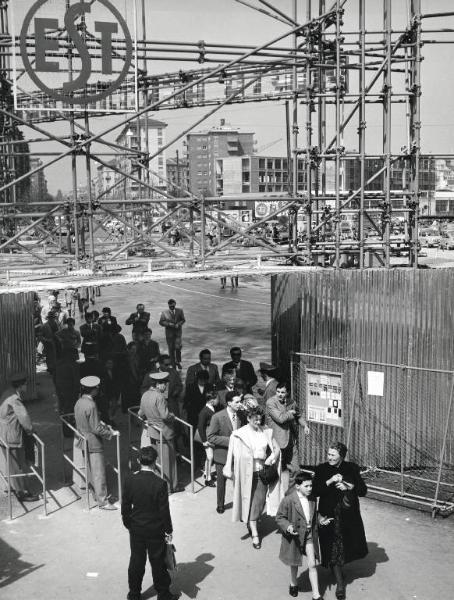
column 281, row 415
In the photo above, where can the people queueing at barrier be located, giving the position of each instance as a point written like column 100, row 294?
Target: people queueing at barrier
column 160, row 423
column 16, row 431
column 69, row 338
column 267, row 387
column 243, row 369
column 204, row 420
column 107, row 325
column 218, row 435
column 172, row 319
column 90, row 331
column 95, row 431
column 204, row 364
column 148, row 352
column 281, row 415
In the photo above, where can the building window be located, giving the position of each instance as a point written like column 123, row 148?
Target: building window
column 261, row 163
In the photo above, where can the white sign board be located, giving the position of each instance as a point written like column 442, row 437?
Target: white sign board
column 375, row 383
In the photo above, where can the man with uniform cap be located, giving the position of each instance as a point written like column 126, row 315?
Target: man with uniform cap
column 94, row 430
column 15, row 423
column 146, row 515
column 154, row 408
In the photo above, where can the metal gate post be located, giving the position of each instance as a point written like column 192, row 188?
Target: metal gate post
column 443, row 448
column 352, row 413
column 403, row 422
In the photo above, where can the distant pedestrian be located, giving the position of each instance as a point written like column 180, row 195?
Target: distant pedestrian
column 172, row 319
column 139, row 320
column 108, row 325
column 146, row 515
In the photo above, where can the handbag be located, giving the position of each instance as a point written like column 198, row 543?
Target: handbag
column 170, row 560
column 348, row 500
column 269, row 474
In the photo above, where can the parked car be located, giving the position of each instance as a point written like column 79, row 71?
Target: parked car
column 447, row 240
column 429, row 238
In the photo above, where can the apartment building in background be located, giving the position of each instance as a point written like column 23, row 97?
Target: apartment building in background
column 204, row 148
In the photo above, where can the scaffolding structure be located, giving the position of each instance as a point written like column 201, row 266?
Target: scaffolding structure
column 330, row 79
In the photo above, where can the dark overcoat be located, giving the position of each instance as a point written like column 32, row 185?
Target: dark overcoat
column 344, row 539
column 290, row 512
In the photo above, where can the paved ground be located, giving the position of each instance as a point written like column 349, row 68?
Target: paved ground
column 79, row 553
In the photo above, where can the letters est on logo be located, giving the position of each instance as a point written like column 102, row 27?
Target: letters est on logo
column 44, row 45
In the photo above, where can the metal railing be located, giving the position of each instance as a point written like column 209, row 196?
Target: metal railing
column 84, row 471
column 134, row 417
column 37, row 441
column 81, row 471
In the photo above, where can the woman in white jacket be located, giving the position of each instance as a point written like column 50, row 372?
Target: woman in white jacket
column 251, row 448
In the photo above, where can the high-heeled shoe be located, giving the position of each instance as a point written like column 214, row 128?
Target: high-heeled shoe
column 293, row 590
column 258, row 544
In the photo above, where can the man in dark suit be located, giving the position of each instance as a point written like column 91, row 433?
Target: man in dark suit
column 218, row 433
column 138, row 320
column 90, row 332
column 195, row 397
column 205, row 364
column 146, row 514
column 243, row 368
column 173, row 320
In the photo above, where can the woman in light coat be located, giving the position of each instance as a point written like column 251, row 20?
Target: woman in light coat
column 250, row 448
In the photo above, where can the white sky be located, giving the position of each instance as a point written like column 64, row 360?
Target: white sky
column 226, row 21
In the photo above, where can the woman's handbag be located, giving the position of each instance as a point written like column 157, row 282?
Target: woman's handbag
column 348, row 500
column 169, row 558
column 269, row 474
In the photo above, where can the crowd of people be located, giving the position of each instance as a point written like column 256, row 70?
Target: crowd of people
column 246, row 430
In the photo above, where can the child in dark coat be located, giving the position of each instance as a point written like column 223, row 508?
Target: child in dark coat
column 297, row 520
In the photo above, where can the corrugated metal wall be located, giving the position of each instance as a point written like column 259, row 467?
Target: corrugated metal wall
column 17, row 338
column 398, row 316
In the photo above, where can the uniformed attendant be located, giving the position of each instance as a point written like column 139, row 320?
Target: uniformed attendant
column 15, row 426
column 89, row 425
column 154, row 408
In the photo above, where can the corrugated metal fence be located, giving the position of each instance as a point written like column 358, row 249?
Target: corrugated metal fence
column 17, row 339
column 398, row 323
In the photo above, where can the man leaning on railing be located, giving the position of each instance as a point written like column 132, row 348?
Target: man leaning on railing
column 16, row 430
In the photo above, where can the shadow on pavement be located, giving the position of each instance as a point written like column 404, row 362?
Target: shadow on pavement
column 359, row 569
column 11, row 567
column 188, row 576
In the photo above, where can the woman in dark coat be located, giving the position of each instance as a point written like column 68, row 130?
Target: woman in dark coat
column 339, row 484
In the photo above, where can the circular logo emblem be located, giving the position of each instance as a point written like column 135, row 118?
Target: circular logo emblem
column 85, row 93
column 261, row 209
